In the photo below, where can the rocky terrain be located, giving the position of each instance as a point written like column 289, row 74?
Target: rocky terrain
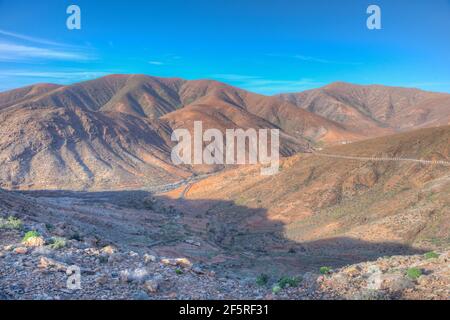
column 33, row 270
column 87, row 181
column 176, row 243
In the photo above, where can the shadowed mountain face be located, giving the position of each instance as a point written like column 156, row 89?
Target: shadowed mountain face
column 114, row 132
column 375, row 110
column 70, row 147
column 318, row 198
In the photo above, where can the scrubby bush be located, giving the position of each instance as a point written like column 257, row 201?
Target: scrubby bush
column 262, row 279
column 76, row 236
column 285, row 282
column 325, row 270
column 29, row 235
column 58, row 243
column 179, row 271
column 431, row 255
column 414, row 273
column 11, row 223
column 276, row 289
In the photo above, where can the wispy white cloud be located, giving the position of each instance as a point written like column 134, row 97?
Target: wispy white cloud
column 19, row 52
column 267, row 86
column 316, row 59
column 156, row 63
column 12, row 79
column 31, row 39
column 65, row 75
column 166, row 59
column 15, row 47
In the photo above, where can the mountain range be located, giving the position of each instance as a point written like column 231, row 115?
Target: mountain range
column 114, row 132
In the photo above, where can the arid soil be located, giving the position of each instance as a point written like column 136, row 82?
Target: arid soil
column 106, row 272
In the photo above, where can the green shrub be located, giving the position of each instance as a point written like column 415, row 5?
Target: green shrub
column 285, row 282
column 431, row 255
column 11, row 223
column 103, row 259
column 262, row 279
column 29, row 235
column 325, row 270
column 179, row 271
column 76, row 236
column 58, row 243
column 276, row 289
column 414, row 273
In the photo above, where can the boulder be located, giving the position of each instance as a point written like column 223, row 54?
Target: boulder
column 20, row 250
column 34, row 242
column 109, row 250
column 180, row 262
column 48, row 263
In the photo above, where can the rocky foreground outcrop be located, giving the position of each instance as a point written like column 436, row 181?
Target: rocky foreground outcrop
column 41, row 271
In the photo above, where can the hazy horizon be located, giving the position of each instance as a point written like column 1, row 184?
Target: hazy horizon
column 223, row 81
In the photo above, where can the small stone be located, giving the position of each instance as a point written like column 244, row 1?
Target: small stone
column 352, row 271
column 198, row 270
column 211, row 273
column 396, row 282
column 21, row 250
column 102, row 279
column 151, row 286
column 42, row 251
column 133, row 254
column 193, row 242
column 148, row 258
column 181, row 262
column 47, row 263
column 109, row 250
column 92, row 251
column 172, row 295
column 124, row 276
column 138, row 275
column 114, row 258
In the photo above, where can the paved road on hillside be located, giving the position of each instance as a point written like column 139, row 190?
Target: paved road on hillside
column 337, row 156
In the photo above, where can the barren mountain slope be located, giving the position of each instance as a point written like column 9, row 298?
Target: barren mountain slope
column 72, row 148
column 281, row 114
column 153, row 97
column 334, row 204
column 375, row 109
column 12, row 97
column 114, row 132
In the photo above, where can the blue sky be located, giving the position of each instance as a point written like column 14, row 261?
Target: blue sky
column 266, row 46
